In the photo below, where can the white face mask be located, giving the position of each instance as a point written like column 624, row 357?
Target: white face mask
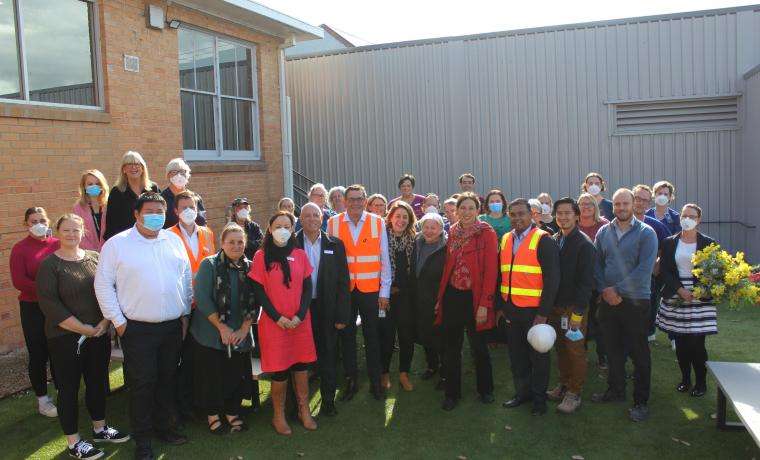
column 594, row 189
column 188, row 216
column 39, row 230
column 243, row 214
column 281, row 236
column 687, row 223
column 662, row 200
column 179, row 180
column 546, row 209
column 431, row 209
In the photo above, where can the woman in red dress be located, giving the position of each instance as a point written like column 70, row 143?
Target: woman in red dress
column 282, row 281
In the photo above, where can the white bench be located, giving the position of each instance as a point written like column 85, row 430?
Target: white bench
column 740, row 384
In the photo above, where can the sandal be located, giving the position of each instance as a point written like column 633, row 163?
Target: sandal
column 216, row 427
column 237, row 424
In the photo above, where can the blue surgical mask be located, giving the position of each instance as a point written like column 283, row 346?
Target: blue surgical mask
column 496, row 206
column 574, row 334
column 93, row 190
column 154, row 222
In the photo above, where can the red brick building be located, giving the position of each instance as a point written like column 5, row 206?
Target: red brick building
column 81, row 82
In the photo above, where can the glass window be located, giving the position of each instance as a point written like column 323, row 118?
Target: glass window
column 10, row 85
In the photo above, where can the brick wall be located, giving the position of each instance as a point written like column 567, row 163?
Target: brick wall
column 43, row 151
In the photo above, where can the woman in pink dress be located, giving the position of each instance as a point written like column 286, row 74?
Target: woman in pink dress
column 282, row 281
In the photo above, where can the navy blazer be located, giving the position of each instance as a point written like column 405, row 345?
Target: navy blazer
column 333, row 299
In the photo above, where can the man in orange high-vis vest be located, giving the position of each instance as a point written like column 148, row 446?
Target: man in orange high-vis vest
column 366, row 241
column 529, row 279
column 199, row 244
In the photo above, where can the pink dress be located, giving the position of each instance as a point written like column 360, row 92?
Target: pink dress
column 282, row 348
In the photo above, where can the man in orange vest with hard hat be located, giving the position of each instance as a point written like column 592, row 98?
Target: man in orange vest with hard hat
column 199, row 244
column 366, row 241
column 530, row 275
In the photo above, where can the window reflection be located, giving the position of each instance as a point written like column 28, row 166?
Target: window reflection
column 9, row 71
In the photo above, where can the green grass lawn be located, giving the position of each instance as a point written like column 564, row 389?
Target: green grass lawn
column 412, row 425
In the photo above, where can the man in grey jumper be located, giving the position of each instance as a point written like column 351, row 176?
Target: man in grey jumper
column 626, row 250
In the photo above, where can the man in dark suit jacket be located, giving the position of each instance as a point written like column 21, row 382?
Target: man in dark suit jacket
column 330, row 298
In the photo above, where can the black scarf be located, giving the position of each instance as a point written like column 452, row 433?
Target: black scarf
column 223, row 290
column 274, row 254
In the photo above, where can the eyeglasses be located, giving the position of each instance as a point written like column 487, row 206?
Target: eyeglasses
column 638, row 199
column 356, row 199
column 178, row 173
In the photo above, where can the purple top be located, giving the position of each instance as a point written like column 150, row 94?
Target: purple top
column 417, row 204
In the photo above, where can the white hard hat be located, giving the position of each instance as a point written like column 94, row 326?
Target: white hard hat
column 541, row 337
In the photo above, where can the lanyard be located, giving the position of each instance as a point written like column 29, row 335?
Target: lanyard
column 96, row 220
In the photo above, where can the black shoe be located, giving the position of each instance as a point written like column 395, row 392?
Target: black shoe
column 639, row 412
column 350, row 390
column 539, row 408
column 428, row 374
column 110, row 434
column 172, row 437
column 85, row 450
column 328, row 409
column 144, row 453
column 377, row 391
column 486, row 398
column 698, row 391
column 449, row 404
column 514, row 402
column 441, row 385
column 607, row 396
column 683, row 387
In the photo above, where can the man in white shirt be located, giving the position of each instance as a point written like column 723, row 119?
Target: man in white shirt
column 144, row 287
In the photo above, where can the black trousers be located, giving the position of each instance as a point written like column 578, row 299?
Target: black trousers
column 364, row 304
column 399, row 320
column 594, row 329
column 457, row 316
column 530, row 369
column 184, row 390
column 219, row 380
column 151, row 352
column 692, row 354
column 654, row 304
column 33, row 326
column 91, row 364
column 627, row 325
column 326, row 342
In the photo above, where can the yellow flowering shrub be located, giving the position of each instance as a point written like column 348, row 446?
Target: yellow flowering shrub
column 723, row 277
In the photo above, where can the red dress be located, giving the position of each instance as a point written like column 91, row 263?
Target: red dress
column 282, row 348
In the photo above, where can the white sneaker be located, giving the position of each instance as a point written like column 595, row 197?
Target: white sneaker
column 652, row 338
column 673, row 345
column 47, row 408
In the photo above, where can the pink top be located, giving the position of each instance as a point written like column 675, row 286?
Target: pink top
column 417, row 204
column 26, row 257
column 91, row 240
column 593, row 229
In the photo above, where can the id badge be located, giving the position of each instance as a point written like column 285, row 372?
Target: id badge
column 564, row 323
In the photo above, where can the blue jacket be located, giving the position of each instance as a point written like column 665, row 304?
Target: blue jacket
column 659, row 228
column 671, row 220
column 626, row 264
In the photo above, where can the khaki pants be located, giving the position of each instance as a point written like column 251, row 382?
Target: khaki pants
column 571, row 356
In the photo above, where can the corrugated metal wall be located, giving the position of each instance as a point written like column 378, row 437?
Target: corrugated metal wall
column 526, row 111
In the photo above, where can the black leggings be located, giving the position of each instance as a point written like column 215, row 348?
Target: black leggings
column 399, row 320
column 282, row 376
column 33, row 326
column 691, row 353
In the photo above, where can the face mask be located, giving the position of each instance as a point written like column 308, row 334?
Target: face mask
column 496, row 206
column 687, row 223
column 574, row 335
column 179, row 180
column 188, row 215
column 93, row 190
column 154, row 222
column 594, row 189
column 281, row 236
column 39, row 230
column 662, row 200
column 546, row 209
column 243, row 214
column 546, row 218
column 431, row 209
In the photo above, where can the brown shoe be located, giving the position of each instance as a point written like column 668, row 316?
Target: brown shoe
column 279, row 422
column 301, row 379
column 385, row 381
column 403, row 379
column 570, row 403
column 557, row 393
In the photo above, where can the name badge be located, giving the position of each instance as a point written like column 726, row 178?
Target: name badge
column 564, row 322
column 327, row 251
column 292, row 259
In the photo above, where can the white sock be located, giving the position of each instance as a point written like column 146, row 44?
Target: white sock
column 99, row 430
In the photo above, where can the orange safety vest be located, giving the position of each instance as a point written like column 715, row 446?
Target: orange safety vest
column 521, row 276
column 205, row 246
column 364, row 255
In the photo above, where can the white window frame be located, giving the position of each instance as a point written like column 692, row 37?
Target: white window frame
column 219, row 154
column 97, row 66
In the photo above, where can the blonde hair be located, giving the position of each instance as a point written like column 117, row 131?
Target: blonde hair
column 666, row 184
column 590, row 197
column 103, row 197
column 231, row 227
column 71, row 217
column 130, row 158
column 376, row 196
column 403, row 205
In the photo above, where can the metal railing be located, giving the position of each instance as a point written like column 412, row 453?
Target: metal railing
column 301, row 186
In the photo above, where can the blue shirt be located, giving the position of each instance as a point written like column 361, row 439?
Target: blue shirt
column 671, row 220
column 626, row 263
column 659, row 228
column 605, row 209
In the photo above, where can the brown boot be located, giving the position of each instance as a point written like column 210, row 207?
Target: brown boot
column 385, row 381
column 570, row 403
column 279, row 422
column 403, row 379
column 301, row 379
column 557, row 393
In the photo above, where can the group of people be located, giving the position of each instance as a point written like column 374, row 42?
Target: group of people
column 199, row 325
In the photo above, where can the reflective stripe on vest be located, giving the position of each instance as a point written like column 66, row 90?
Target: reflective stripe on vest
column 205, row 246
column 521, row 275
column 363, row 256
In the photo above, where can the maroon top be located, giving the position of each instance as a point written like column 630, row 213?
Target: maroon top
column 417, row 204
column 591, row 230
column 26, row 257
